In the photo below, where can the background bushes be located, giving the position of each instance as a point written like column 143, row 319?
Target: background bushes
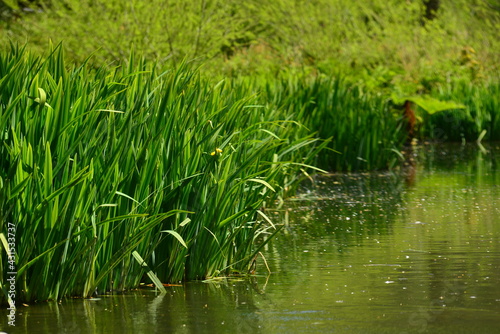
column 379, row 44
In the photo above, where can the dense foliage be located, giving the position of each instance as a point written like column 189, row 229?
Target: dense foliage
column 406, row 45
column 158, row 154
column 103, row 167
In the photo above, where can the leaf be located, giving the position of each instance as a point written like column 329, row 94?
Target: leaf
column 108, row 205
column 263, row 182
column 19, row 187
column 177, row 236
column 266, row 218
column 47, row 170
column 12, row 4
column 151, row 274
column 114, row 111
column 238, row 215
column 127, row 196
column 43, row 97
column 432, row 105
column 427, row 103
column 5, row 245
column 185, row 222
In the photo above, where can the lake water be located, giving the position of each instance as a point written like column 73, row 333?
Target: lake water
column 415, row 251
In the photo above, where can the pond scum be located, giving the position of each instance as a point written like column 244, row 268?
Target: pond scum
column 114, row 176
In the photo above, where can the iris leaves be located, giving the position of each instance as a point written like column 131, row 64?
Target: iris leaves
column 108, row 175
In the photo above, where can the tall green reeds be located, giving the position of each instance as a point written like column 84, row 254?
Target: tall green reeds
column 481, row 112
column 115, row 174
column 98, row 165
column 364, row 133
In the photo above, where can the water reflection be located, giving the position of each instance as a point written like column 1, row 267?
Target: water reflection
column 216, row 307
column 421, row 253
column 365, row 253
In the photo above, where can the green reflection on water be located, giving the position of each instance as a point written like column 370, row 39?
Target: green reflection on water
column 410, row 252
column 418, row 253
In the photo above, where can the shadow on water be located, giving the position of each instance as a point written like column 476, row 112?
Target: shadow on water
column 412, row 251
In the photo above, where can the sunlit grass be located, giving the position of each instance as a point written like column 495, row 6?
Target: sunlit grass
column 98, row 165
column 482, row 113
column 117, row 175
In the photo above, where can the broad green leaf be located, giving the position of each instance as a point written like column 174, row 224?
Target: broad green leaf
column 427, row 103
column 432, row 105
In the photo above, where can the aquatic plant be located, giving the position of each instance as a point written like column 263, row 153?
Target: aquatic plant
column 479, row 119
column 109, row 174
column 116, row 175
column 363, row 131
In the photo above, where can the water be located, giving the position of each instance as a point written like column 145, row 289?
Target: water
column 412, row 252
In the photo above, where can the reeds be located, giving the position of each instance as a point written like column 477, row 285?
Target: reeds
column 482, row 113
column 114, row 176
column 364, row 133
column 98, row 165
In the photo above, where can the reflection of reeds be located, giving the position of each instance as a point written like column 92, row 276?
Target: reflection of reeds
column 234, row 303
column 99, row 164
column 349, row 205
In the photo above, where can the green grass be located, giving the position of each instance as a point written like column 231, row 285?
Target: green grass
column 482, row 113
column 363, row 131
column 100, row 164
column 114, row 175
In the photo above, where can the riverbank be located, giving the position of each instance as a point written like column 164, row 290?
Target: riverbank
column 364, row 252
column 111, row 172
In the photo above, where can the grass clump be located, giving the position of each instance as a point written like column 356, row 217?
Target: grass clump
column 104, row 166
column 364, row 131
column 479, row 120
